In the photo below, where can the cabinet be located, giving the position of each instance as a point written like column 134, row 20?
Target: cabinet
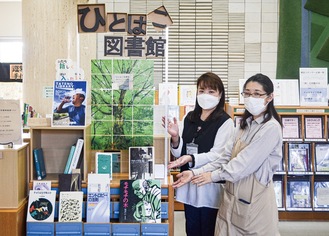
column 13, row 189
column 56, row 143
column 308, row 134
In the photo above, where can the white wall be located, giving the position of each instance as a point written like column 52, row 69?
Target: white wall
column 10, row 19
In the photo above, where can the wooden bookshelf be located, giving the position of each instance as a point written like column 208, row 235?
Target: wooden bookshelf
column 56, row 143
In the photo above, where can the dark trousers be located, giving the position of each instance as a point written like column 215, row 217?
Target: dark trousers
column 200, row 221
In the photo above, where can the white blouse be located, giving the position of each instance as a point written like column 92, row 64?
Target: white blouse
column 207, row 195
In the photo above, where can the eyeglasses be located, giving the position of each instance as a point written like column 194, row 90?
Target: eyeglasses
column 254, row 95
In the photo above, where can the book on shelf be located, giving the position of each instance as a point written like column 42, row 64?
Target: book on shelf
column 69, row 159
column 69, row 182
column 291, row 126
column 70, row 206
column 39, row 163
column 41, row 206
column 141, row 162
column 140, row 201
column 298, row 194
column 321, row 194
column 299, row 157
column 313, row 127
column 116, row 162
column 103, row 163
column 322, row 157
column 69, row 103
column 98, row 198
column 278, row 193
column 77, row 156
column 41, row 185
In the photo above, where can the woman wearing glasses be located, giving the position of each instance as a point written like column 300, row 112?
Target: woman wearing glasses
column 250, row 158
column 204, row 135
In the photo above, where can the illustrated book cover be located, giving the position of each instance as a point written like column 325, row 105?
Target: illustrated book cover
column 298, row 194
column 141, row 162
column 39, row 163
column 70, row 206
column 41, row 206
column 103, row 163
column 140, row 201
column 299, row 157
column 69, row 182
column 69, row 103
column 98, row 198
column 322, row 157
column 321, row 195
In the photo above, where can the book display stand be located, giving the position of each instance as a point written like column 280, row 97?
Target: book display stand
column 304, row 176
column 56, row 143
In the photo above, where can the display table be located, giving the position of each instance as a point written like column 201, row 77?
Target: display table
column 13, row 189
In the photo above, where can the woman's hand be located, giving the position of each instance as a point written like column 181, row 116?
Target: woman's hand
column 180, row 161
column 183, row 178
column 172, row 127
column 202, row 179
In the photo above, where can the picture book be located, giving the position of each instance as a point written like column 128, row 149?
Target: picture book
column 98, row 198
column 70, row 206
column 41, row 206
column 299, row 157
column 41, row 185
column 39, row 163
column 187, row 95
column 141, row 162
column 69, row 182
column 140, row 201
column 322, row 157
column 321, row 194
column 77, row 155
column 103, row 163
column 69, row 103
column 298, row 194
column 69, row 159
column 168, row 94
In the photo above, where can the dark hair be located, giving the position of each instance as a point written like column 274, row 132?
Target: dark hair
column 270, row 109
column 209, row 80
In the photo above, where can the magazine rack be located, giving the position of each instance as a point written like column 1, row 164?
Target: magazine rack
column 310, row 175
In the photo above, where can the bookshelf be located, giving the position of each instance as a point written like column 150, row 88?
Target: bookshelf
column 307, row 177
column 13, row 189
column 56, row 143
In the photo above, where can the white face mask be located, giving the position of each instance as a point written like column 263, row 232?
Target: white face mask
column 207, row 101
column 255, row 105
